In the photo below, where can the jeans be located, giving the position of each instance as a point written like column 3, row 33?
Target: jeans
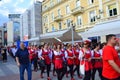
column 22, row 70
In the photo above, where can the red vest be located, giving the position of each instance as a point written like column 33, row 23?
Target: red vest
column 98, row 63
column 88, row 64
column 76, row 53
column 45, row 55
column 69, row 60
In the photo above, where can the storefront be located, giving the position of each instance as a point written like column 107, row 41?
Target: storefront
column 103, row 29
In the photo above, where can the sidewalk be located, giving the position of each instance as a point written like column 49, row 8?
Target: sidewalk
column 10, row 71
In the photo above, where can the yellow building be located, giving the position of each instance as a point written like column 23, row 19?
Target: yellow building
column 84, row 14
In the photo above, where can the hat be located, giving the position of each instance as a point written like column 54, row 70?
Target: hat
column 87, row 41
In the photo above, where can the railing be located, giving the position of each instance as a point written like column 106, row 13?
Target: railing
column 77, row 10
column 110, row 18
column 59, row 17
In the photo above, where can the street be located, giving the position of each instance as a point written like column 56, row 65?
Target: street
column 9, row 71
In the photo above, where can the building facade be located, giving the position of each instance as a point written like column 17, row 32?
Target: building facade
column 84, row 14
column 12, row 30
column 31, row 22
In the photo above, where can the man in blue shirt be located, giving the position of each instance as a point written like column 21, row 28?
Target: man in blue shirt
column 23, row 61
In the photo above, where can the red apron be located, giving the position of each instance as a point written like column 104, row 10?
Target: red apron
column 45, row 55
column 69, row 60
column 58, row 61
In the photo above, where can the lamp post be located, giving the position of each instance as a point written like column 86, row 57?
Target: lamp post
column 72, row 30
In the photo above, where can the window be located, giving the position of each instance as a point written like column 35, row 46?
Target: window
column 53, row 28
column 67, row 9
column 112, row 10
column 51, row 3
column 59, row 12
column 79, row 22
column 68, row 22
column 77, row 3
column 60, row 25
column 46, row 30
column 92, row 16
column 58, row 1
column 52, row 16
column 91, row 1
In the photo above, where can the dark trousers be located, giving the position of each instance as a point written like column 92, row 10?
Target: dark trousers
column 48, row 66
column 87, row 75
column 77, row 69
column 34, row 61
column 71, row 70
column 59, row 73
column 53, row 69
column 64, row 71
column 4, row 56
column 94, row 71
column 110, row 79
column 22, row 70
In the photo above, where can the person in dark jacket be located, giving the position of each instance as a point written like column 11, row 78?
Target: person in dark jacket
column 23, row 61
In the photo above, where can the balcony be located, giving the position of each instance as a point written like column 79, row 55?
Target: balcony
column 109, row 19
column 45, row 9
column 78, row 10
column 58, row 18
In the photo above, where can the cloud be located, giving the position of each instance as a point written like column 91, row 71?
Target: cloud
column 21, row 1
column 3, row 2
column 4, row 12
column 19, row 10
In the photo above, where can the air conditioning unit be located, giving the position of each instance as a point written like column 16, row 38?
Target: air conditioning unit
column 100, row 11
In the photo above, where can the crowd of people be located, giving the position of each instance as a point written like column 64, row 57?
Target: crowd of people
column 66, row 59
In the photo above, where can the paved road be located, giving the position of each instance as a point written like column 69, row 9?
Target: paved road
column 9, row 71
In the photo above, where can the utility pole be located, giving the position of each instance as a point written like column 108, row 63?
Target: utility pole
column 72, row 30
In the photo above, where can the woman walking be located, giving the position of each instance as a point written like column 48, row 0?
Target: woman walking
column 69, row 55
column 85, row 56
column 45, row 55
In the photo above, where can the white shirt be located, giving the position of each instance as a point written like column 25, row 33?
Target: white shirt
column 98, row 52
column 57, row 53
column 14, row 50
column 40, row 53
column 81, row 54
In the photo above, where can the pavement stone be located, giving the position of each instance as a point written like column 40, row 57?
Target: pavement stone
column 10, row 71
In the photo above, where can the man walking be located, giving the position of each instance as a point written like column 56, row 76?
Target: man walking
column 111, row 63
column 23, row 62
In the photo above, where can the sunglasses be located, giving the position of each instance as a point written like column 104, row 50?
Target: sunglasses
column 85, row 43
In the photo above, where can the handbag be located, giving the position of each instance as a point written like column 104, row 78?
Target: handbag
column 41, row 63
column 82, row 67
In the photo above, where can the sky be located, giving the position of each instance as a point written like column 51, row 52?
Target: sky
column 13, row 7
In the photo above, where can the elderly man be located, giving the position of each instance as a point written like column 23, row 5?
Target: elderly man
column 23, row 62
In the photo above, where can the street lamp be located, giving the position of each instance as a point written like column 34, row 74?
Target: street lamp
column 72, row 29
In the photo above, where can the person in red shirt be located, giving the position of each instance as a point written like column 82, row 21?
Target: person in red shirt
column 111, row 63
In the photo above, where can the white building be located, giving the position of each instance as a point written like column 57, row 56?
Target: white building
column 31, row 22
column 13, row 29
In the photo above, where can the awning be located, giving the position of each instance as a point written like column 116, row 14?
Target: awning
column 33, row 39
column 59, row 36
column 111, row 27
